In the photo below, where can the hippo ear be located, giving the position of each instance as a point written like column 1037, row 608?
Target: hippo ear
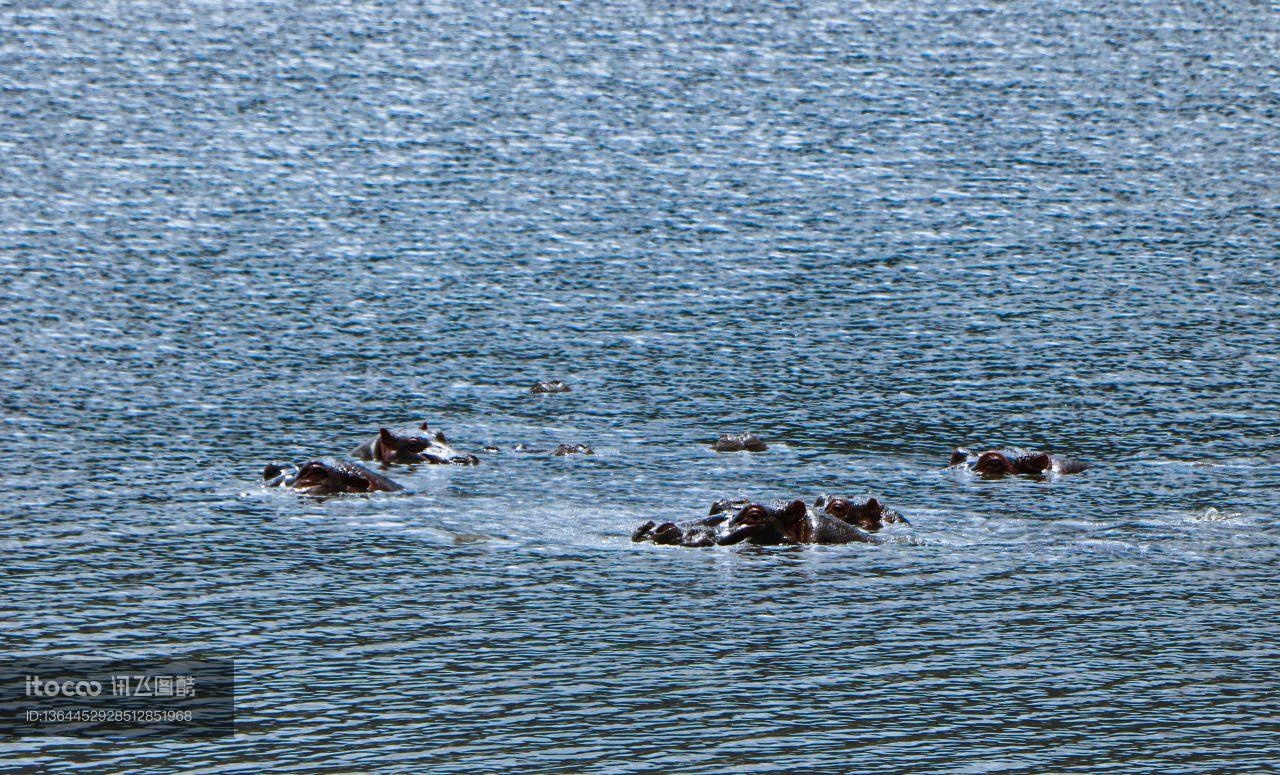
column 423, row 426
column 795, row 512
column 271, row 471
column 387, row 438
column 874, row 506
column 440, row 437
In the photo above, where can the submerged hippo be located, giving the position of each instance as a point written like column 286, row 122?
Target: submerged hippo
column 745, row 442
column 756, row 523
column 694, row 532
column 791, row 524
column 550, row 386
column 560, row 451
column 390, row 448
column 1002, row 462
column 730, row 504
column 870, row 516
column 326, row 477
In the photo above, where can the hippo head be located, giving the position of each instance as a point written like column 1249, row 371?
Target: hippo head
column 768, row 525
column 400, row 449
column 868, row 516
column 994, row 463
column 316, row 478
column 728, row 504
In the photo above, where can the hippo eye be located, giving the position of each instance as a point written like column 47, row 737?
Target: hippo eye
column 993, row 462
column 753, row 512
column 838, row 507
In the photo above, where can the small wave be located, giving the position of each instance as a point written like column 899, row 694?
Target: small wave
column 1213, row 514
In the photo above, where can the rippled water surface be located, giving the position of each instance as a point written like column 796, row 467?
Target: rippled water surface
column 237, row 233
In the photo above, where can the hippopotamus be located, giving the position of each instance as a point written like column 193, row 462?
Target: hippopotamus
column 550, row 386
column 729, row 504
column 407, row 448
column 793, row 523
column 326, row 477
column 745, row 442
column 870, row 516
column 756, row 523
column 1001, row 462
column 693, row 532
column 560, row 451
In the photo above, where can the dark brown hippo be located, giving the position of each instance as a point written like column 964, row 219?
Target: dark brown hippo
column 995, row 463
column 408, row 448
column 550, row 386
column 694, row 532
column 791, row 524
column 730, row 504
column 326, row 477
column 755, row 523
column 870, row 516
column 744, row 442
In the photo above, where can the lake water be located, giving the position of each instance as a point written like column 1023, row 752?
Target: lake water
column 235, row 233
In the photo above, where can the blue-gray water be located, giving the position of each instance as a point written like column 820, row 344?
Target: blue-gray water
column 237, row 233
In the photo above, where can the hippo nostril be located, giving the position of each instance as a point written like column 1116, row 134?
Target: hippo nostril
column 643, row 531
column 667, row 533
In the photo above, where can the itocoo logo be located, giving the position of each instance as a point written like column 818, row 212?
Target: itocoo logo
column 40, row 688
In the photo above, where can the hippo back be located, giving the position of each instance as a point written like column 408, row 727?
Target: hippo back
column 826, row 529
